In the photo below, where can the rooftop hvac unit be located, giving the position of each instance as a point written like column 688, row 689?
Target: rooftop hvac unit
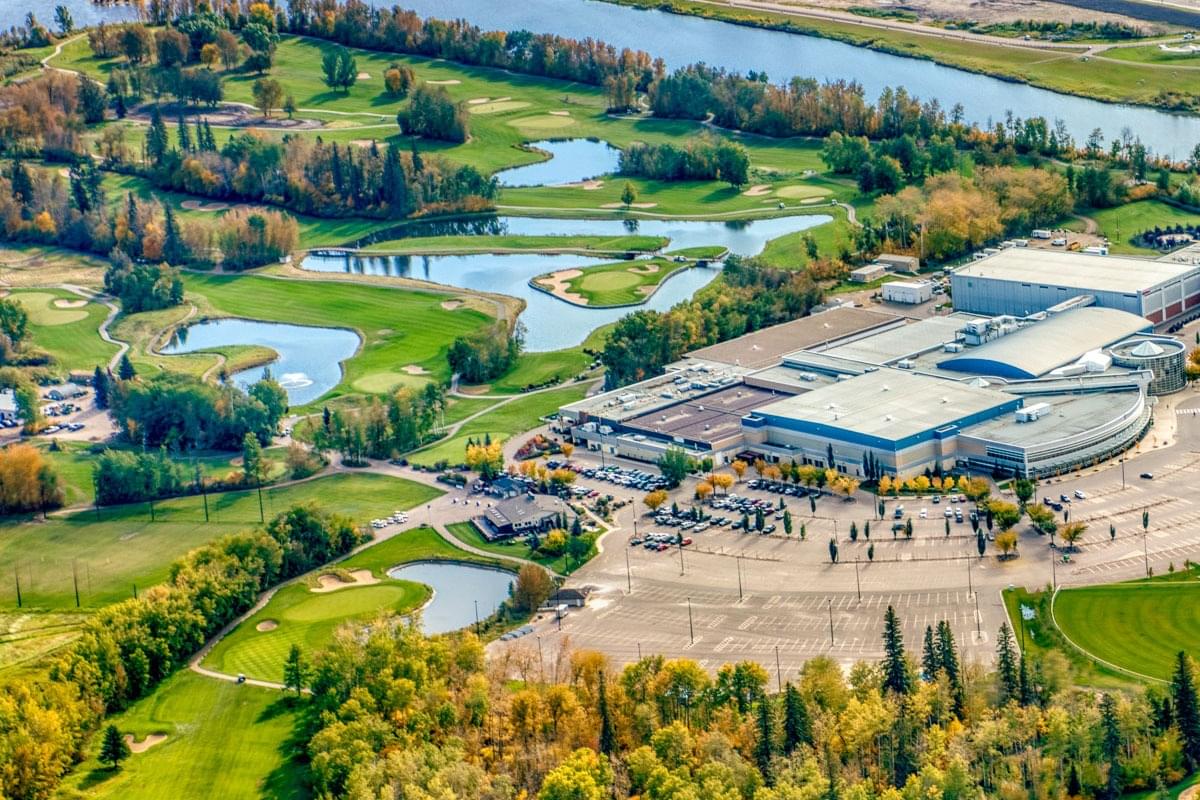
column 905, row 363
column 628, row 397
column 952, row 347
column 808, row 376
column 1032, row 413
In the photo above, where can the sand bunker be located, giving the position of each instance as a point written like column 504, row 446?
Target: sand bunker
column 200, row 205
column 644, row 269
column 331, row 583
column 364, row 76
column 808, row 201
column 474, row 101
column 559, row 113
column 591, row 186
column 144, row 744
column 362, row 142
column 450, row 305
column 631, row 205
column 556, row 284
column 800, row 191
column 415, row 369
column 61, row 303
column 450, row 82
column 266, row 625
column 757, row 191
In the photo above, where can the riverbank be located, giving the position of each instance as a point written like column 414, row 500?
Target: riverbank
column 1071, row 69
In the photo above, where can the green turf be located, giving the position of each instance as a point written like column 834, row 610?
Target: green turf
column 123, row 547
column 69, row 335
column 1138, row 626
column 309, row 618
column 519, row 415
column 500, row 244
column 1122, row 223
column 224, row 742
column 618, row 283
column 399, row 327
column 467, row 533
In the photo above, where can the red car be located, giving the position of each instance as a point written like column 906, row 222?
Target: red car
column 687, row 541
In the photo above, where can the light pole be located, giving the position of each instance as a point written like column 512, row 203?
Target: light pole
column 681, row 570
column 978, row 630
column 628, row 574
column 1122, row 474
column 778, row 672
column 691, row 628
column 739, row 574
column 857, row 583
column 970, row 586
column 831, row 621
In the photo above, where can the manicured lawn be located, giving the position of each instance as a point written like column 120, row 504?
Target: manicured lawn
column 309, row 618
column 1122, row 223
column 500, row 244
column 790, row 251
column 1139, row 626
column 66, row 326
column 123, row 547
column 510, row 419
column 619, row 283
column 224, row 742
column 398, row 327
column 468, row 533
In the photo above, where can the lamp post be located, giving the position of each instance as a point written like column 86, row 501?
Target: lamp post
column 831, row 621
column 691, row 628
column 857, row 583
column 739, row 574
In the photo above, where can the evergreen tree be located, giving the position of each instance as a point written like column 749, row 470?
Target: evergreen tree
column 113, row 749
column 833, row 550
column 295, row 670
column 608, row 734
column 1110, row 746
column 1186, row 708
column 125, row 370
column 185, row 136
column 906, row 760
column 417, row 164
column 1074, row 785
column 157, row 142
column 119, row 107
column 173, row 249
column 930, row 656
column 895, row 665
column 764, row 746
column 1007, row 675
column 22, row 184
column 797, row 726
column 1028, row 692
column 948, row 662
column 100, row 387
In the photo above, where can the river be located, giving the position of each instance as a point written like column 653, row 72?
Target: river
column 681, row 40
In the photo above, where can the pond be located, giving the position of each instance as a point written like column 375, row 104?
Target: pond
column 309, row 362
column 683, row 40
column 571, row 161
column 550, row 323
column 84, row 12
column 456, row 590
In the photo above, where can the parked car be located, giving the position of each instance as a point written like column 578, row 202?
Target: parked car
column 1147, row 476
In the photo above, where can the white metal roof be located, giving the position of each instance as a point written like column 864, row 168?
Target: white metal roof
column 1076, row 270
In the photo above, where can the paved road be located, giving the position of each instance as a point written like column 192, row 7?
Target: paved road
column 791, row 596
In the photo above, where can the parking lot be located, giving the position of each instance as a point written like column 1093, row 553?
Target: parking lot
column 729, row 594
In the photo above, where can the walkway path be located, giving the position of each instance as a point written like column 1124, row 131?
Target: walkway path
column 113, row 311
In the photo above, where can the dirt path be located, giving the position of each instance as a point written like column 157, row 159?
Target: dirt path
column 1091, row 227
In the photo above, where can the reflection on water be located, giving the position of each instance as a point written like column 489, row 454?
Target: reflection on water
column 309, row 362
column 550, row 323
column 571, row 161
column 457, row 588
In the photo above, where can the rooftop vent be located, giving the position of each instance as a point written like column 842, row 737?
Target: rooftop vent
column 1146, row 349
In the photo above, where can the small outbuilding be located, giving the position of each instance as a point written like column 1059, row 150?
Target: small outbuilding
column 871, row 272
column 909, row 292
column 898, row 263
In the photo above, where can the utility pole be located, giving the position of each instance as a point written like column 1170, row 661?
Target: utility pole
column 778, row 672
column 691, row 628
column 628, row 574
column 17, row 578
column 261, row 516
column 857, row 583
column 477, row 620
column 75, row 578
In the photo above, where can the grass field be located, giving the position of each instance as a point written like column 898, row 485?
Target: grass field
column 516, row 548
column 1138, row 626
column 517, row 416
column 309, row 618
column 68, row 334
column 618, row 283
column 1122, row 223
column 398, row 327
column 500, row 244
column 123, row 547
column 224, row 742
column 26, row 638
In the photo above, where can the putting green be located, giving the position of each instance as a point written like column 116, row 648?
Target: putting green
column 1136, row 626
column 386, row 381
column 801, row 191
column 497, row 107
column 609, row 281
column 40, row 308
column 308, row 619
column 543, row 123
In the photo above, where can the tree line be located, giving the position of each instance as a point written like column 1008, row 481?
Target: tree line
column 698, row 159
column 125, row 650
column 751, row 297
column 403, row 421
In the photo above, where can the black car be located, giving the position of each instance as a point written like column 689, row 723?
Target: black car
column 1147, row 476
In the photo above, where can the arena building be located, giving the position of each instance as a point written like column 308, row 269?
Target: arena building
column 1021, row 281
column 1038, row 394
